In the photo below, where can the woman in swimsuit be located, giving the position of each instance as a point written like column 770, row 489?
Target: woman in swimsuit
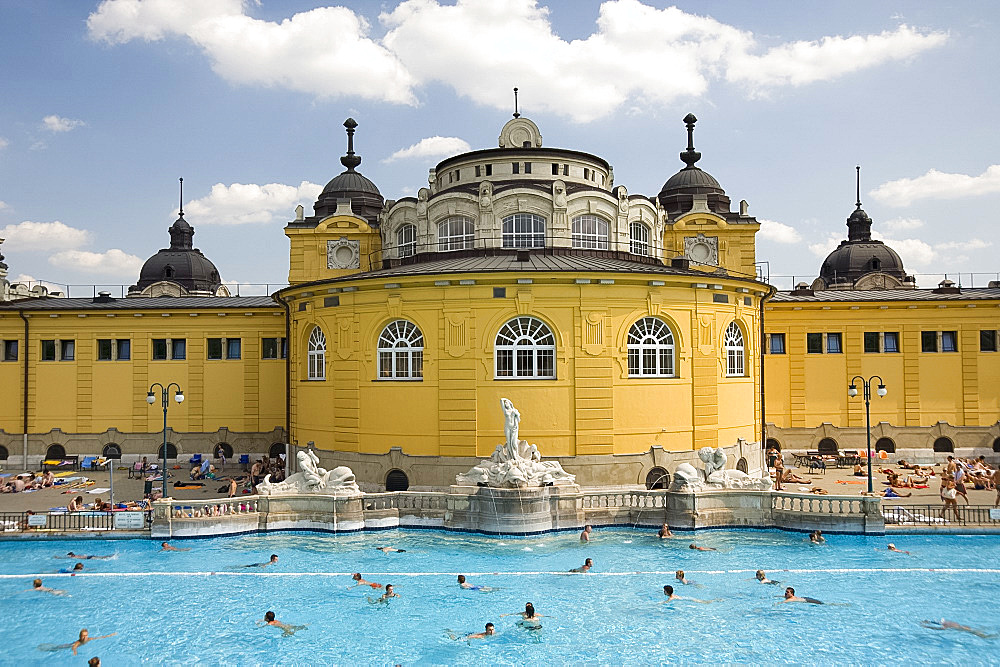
column 529, row 617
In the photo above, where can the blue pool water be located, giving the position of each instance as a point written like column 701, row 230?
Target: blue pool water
column 202, row 606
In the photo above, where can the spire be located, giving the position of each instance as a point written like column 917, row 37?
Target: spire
column 859, row 225
column 690, row 156
column 181, row 233
column 181, row 207
column 858, row 203
column 350, row 160
column 516, row 114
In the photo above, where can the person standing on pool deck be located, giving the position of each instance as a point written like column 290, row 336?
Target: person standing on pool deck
column 529, row 617
column 587, row 564
column 790, row 596
column 273, row 561
column 585, row 535
column 85, row 637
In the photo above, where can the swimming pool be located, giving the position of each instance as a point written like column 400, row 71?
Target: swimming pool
column 202, row 605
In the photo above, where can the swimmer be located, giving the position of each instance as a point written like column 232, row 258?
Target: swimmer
column 287, row 630
column 359, row 581
column 664, row 532
column 83, row 556
column 529, row 617
column 389, row 593
column 166, row 546
column 273, row 561
column 76, row 568
column 389, row 550
column 669, row 592
column 695, row 546
column 585, row 535
column 489, row 632
column 790, row 596
column 892, row 547
column 587, row 564
column 679, row 575
column 762, row 578
column 36, row 585
column 94, row 662
column 473, row 587
column 84, row 638
column 951, row 625
column 816, row 537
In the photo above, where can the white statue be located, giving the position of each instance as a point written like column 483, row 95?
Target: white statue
column 312, row 479
column 515, row 463
column 715, row 475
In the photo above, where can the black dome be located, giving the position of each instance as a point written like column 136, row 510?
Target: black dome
column 180, row 263
column 853, row 259
column 366, row 200
column 677, row 194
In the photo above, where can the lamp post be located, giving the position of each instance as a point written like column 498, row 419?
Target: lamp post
column 165, row 395
column 852, row 391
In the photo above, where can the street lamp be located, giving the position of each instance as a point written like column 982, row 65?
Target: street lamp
column 165, row 395
column 852, row 391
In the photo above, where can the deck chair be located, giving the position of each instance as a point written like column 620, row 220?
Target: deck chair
column 88, row 463
column 135, row 472
column 245, row 461
column 195, row 460
column 815, row 464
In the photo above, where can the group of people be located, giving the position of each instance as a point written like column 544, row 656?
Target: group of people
column 267, row 466
column 28, row 481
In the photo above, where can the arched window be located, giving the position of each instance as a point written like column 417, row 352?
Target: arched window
column 275, row 449
column 771, row 442
column 401, row 351
column 317, row 355
column 657, row 478
column 638, row 239
column 525, row 348
column 396, row 480
column 55, row 452
column 171, row 451
column 827, row 446
column 524, row 230
column 742, row 465
column 589, row 231
column 111, row 451
column 225, row 447
column 650, row 349
column 168, row 271
column 996, row 445
column 944, row 444
column 735, row 354
column 456, row 233
column 406, row 241
column 885, row 445
column 3, row 453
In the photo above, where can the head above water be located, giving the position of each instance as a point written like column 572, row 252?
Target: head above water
column 274, row 558
column 388, row 588
column 668, row 590
column 461, row 578
column 78, row 566
column 760, row 575
column 356, row 576
column 529, row 609
column 269, row 616
column 679, row 574
column 589, row 562
column 84, row 634
column 789, row 592
column 490, row 630
column 37, row 583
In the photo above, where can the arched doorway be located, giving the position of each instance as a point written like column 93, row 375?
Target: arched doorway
column 885, row 445
column 227, row 450
column 742, row 465
column 171, row 451
column 396, row 480
column 996, row 447
column 771, row 442
column 111, row 451
column 276, row 448
column 827, row 446
column 4, row 453
column 55, row 452
column 944, row 444
column 657, row 478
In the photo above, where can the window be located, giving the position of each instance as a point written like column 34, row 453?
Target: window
column 479, row 171
column 987, row 342
column 589, row 231
column 67, row 350
column 214, row 348
column 565, row 170
column 489, row 170
column 871, row 341
column 928, row 341
column 833, row 345
column 124, row 350
column 10, row 350
column 527, row 167
column 273, row 348
column 733, row 343
column 638, row 239
column 105, row 350
column 401, row 352
column 515, row 168
column 524, row 230
column 317, row 355
column 890, row 341
column 525, row 348
column 555, row 168
column 159, row 348
column 814, row 343
column 949, row 341
column 48, row 350
column 456, row 233
column 406, row 240
column 178, row 348
column 234, row 348
column 650, row 349
column 776, row 343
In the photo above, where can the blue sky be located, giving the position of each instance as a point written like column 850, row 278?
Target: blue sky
column 106, row 104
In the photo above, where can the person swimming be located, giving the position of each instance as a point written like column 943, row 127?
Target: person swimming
column 529, row 617
column 488, row 632
column 83, row 638
column 36, row 585
column 664, row 532
column 587, row 564
column 790, row 596
column 359, row 581
column 585, row 535
column 390, row 550
column 83, row 556
column 816, row 537
column 384, row 599
column 669, row 592
column 695, row 546
column 951, row 625
column 892, row 547
column 73, row 570
column 762, row 578
column 166, row 546
column 473, row 587
column 679, row 575
column 272, row 561
column 287, row 629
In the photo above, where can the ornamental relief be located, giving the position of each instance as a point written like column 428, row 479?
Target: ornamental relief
column 343, row 254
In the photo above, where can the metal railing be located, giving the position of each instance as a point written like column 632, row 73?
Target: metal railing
column 29, row 522
column 936, row 515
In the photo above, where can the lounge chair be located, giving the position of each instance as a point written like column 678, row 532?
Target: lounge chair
column 135, row 472
column 88, row 463
column 815, row 464
column 245, row 461
column 195, row 460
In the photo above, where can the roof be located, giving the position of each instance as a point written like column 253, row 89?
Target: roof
column 144, row 303
column 966, row 294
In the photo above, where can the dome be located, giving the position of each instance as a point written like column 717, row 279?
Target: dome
column 692, row 180
column 677, row 194
column 181, row 263
column 854, row 259
column 366, row 200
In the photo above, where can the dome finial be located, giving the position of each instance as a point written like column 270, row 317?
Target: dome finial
column 350, row 160
column 181, row 207
column 516, row 114
column 858, row 203
column 690, row 156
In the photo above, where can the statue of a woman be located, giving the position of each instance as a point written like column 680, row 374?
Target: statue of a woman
column 511, row 420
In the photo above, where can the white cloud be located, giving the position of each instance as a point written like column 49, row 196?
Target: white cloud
column 3, row 205
column 482, row 49
column 431, row 147
column 902, row 224
column 938, row 185
column 55, row 235
column 249, row 203
column 971, row 244
column 826, row 246
column 3, row 143
column 913, row 252
column 55, row 123
column 113, row 262
column 778, row 232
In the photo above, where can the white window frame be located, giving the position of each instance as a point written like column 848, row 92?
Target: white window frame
column 590, row 232
column 449, row 239
column 401, row 351
column 523, row 230
column 638, row 243
column 316, row 369
column 735, row 351
column 406, row 240
column 525, row 349
column 650, row 349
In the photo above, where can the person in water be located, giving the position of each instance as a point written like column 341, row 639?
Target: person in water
column 166, row 546
column 359, row 581
column 669, row 592
column 287, row 629
column 679, row 575
column 36, row 585
column 85, row 637
column 762, row 578
column 472, row 587
column 816, row 537
column 389, row 550
column 76, row 568
column 488, row 632
column 388, row 595
column 790, row 596
column 695, row 546
column 585, row 535
column 664, row 532
column 82, row 556
column 587, row 564
column 529, row 617
column 273, row 561
column 892, row 547
column 951, row 625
